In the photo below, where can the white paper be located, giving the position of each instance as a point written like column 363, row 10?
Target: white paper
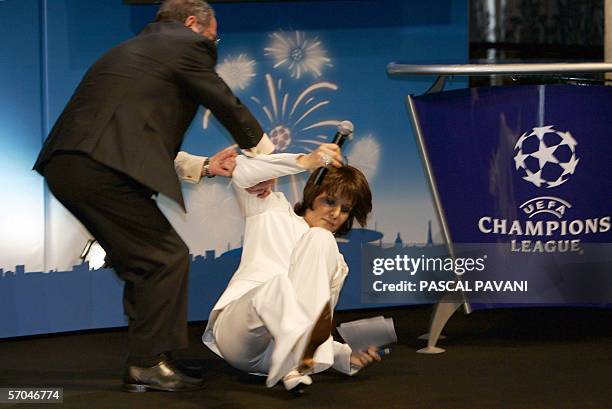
column 364, row 333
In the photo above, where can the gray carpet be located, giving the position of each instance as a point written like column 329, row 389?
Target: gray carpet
column 509, row 358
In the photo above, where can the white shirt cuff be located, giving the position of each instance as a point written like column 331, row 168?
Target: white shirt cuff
column 264, row 147
column 342, row 359
column 189, row 167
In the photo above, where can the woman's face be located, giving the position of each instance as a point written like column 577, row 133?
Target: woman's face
column 328, row 212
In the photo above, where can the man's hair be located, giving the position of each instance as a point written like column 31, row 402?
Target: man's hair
column 345, row 182
column 179, row 10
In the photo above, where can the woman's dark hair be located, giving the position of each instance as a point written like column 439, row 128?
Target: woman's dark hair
column 346, row 182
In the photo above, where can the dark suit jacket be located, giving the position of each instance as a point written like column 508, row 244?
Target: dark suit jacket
column 134, row 105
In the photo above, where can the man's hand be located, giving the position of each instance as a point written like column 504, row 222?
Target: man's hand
column 327, row 154
column 364, row 358
column 262, row 189
column 223, row 163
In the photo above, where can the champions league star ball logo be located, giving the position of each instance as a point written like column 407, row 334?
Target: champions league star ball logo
column 546, row 157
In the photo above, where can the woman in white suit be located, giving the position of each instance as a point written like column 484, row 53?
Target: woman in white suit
column 274, row 318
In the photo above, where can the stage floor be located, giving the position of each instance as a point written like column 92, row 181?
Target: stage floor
column 509, row 358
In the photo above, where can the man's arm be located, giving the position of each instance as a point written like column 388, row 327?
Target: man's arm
column 189, row 167
column 197, row 76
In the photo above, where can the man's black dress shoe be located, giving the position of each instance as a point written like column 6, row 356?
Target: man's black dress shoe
column 190, row 367
column 161, row 377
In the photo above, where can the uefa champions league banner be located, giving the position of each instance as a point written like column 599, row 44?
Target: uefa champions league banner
column 522, row 177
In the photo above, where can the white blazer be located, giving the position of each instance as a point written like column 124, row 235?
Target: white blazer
column 272, row 230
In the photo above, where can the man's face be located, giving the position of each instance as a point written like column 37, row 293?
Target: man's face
column 209, row 32
column 328, row 212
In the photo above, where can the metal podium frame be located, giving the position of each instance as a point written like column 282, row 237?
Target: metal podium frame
column 445, row 308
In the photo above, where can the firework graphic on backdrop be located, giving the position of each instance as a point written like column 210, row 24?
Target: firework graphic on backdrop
column 289, row 123
column 299, row 53
column 289, row 120
column 293, row 122
column 364, row 154
column 237, row 72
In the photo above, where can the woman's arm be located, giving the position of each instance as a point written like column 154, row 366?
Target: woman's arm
column 248, row 172
column 251, row 171
column 189, row 168
column 350, row 362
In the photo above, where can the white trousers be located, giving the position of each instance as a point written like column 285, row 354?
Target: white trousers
column 266, row 330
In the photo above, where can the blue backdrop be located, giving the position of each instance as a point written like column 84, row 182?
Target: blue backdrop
column 299, row 66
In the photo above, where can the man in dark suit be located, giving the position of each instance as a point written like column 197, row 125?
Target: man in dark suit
column 112, row 148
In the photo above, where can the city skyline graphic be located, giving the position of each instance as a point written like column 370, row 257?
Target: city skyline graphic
column 84, row 298
column 372, row 236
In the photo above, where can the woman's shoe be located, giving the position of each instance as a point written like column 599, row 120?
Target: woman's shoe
column 295, row 382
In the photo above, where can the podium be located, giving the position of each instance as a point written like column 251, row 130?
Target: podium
column 524, row 170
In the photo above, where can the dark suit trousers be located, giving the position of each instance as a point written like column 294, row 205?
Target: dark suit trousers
column 146, row 252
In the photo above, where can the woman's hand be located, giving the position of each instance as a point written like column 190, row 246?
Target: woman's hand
column 326, row 155
column 364, row 358
column 262, row 189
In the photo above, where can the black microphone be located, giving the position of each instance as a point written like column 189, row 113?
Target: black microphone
column 345, row 131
